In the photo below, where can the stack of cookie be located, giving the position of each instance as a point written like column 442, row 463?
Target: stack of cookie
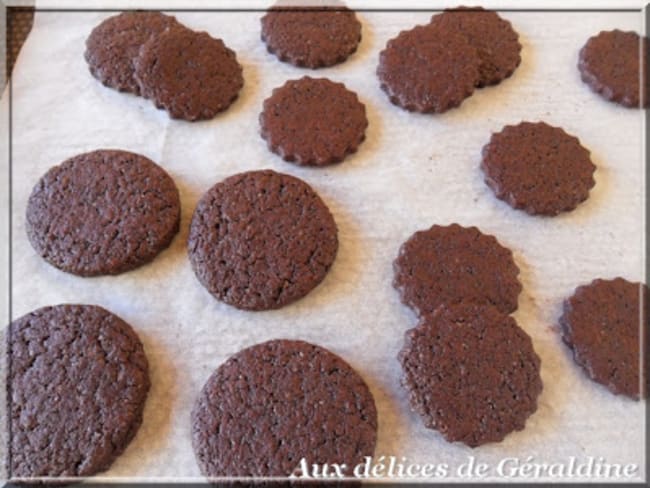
column 471, row 372
column 190, row 74
column 434, row 67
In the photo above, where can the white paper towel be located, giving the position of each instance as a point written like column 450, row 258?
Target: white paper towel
column 411, row 172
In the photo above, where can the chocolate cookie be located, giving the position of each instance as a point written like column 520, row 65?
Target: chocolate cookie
column 311, row 37
column 103, row 212
column 602, row 323
column 444, row 265
column 275, row 403
column 428, row 69
column 538, row 168
column 471, row 373
column 313, row 122
column 494, row 38
column 114, row 44
column 77, row 384
column 610, row 64
column 260, row 240
column 190, row 74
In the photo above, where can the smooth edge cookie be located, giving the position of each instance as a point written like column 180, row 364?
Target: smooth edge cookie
column 68, row 229
column 49, row 396
column 245, row 259
column 271, row 400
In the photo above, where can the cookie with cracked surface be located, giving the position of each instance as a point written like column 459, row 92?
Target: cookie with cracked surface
column 611, row 63
column 605, row 323
column 311, row 37
column 313, row 121
column 260, row 240
column 276, row 402
column 113, row 45
column 78, row 380
column 538, row 168
column 449, row 264
column 471, row 373
column 190, row 74
column 493, row 37
column 102, row 213
column 428, row 69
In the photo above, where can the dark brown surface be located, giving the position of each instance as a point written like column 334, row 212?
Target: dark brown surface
column 471, row 373
column 311, row 37
column 493, row 37
column 78, row 381
column 19, row 25
column 610, row 64
column 538, row 168
column 113, row 45
column 428, row 69
column 274, row 403
column 103, row 212
column 601, row 323
column 260, row 240
column 190, row 74
column 444, row 265
column 313, row 122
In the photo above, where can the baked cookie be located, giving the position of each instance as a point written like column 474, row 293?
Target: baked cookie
column 113, row 45
column 429, row 69
column 538, row 168
column 102, row 213
column 313, row 122
column 311, row 37
column 260, row 240
column 272, row 404
column 445, row 265
column 190, row 74
column 471, row 373
column 604, row 323
column 493, row 37
column 610, row 63
column 77, row 384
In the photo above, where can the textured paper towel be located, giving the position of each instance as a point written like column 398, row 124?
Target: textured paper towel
column 411, row 172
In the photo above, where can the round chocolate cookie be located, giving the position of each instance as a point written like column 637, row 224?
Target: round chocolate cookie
column 494, row 38
column 602, row 323
column 538, row 168
column 190, row 74
column 272, row 404
column 313, row 122
column 428, row 69
column 260, row 240
column 103, row 212
column 610, row 64
column 77, row 384
column 311, row 37
column 113, row 45
column 471, row 373
column 444, row 265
